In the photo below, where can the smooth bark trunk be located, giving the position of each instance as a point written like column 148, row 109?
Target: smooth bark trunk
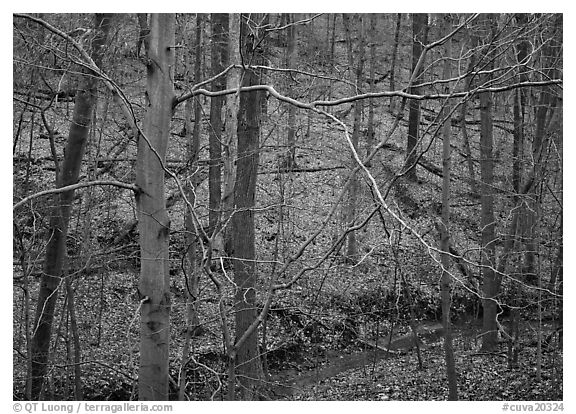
column 56, row 248
column 153, row 222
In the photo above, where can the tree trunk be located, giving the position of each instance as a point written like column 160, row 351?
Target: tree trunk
column 153, row 222
column 291, row 62
column 393, row 59
column 78, row 394
column 229, row 143
column 420, row 34
column 219, row 57
column 489, row 277
column 192, row 111
column 465, row 138
column 56, row 247
column 371, row 133
column 551, row 52
column 445, row 233
column 143, row 33
column 519, row 111
column 352, row 244
column 247, row 363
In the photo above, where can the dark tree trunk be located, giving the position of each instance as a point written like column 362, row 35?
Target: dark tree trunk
column 56, row 249
column 247, row 363
column 192, row 111
column 420, row 34
column 371, row 133
column 219, row 58
column 352, row 244
column 488, row 251
column 143, row 33
column 519, row 111
column 445, row 233
column 551, row 53
column 465, row 138
column 229, row 150
column 393, row 59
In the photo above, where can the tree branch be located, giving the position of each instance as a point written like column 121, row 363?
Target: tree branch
column 74, row 187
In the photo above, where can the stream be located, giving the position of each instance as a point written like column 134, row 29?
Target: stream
column 286, row 384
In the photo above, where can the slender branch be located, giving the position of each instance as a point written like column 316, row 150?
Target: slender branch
column 74, row 187
column 299, row 22
column 383, row 94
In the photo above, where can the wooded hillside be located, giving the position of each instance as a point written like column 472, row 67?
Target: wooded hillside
column 287, row 206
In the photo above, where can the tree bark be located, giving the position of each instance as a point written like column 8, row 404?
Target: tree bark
column 291, row 62
column 488, row 250
column 192, row 111
column 551, row 52
column 247, row 363
column 445, row 233
column 56, row 248
column 393, row 59
column 465, row 138
column 219, row 57
column 143, row 33
column 371, row 133
column 420, row 34
column 78, row 394
column 229, row 150
column 352, row 244
column 519, row 110
column 153, row 222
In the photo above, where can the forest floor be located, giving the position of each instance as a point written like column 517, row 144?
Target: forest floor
column 373, row 374
column 313, row 358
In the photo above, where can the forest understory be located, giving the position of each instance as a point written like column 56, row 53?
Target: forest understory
column 288, row 206
column 358, row 348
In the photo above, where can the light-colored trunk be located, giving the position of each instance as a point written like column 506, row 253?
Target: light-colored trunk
column 153, row 222
column 291, row 62
column 56, row 248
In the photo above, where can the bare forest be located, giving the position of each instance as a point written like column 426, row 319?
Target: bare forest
column 287, row 206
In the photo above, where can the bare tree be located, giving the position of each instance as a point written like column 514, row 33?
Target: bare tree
column 247, row 363
column 420, row 35
column 291, row 62
column 488, row 224
column 219, row 56
column 445, row 227
column 358, row 67
column 56, row 248
column 229, row 150
column 394, row 57
column 153, row 221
